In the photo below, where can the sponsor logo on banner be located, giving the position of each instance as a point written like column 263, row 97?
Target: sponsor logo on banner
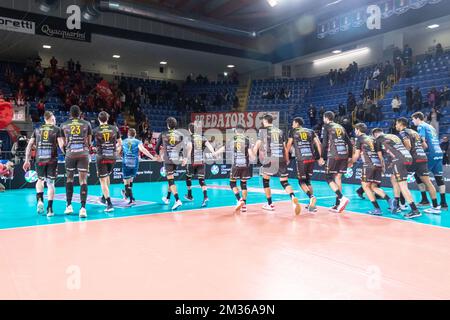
column 62, row 33
column 17, row 25
column 215, row 169
column 227, row 120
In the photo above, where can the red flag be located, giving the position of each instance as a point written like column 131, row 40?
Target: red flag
column 105, row 92
column 6, row 113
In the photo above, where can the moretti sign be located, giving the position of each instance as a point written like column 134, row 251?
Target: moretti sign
column 17, row 25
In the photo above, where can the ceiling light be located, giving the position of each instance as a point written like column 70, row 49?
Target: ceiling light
column 116, row 56
column 163, row 62
column 46, row 46
column 433, row 26
column 336, row 51
column 346, row 54
column 225, row 73
column 272, row 3
column 230, row 66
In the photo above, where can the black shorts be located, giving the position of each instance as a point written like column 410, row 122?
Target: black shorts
column 170, row 168
column 420, row 168
column 242, row 173
column 47, row 170
column 399, row 170
column 81, row 164
column 336, row 166
column 195, row 170
column 105, row 167
column 371, row 174
column 275, row 168
column 305, row 170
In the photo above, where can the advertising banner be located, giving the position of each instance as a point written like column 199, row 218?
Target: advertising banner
column 227, row 120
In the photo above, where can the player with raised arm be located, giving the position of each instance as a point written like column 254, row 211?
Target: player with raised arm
column 304, row 140
column 431, row 145
column 107, row 143
column 271, row 143
column 76, row 139
column 337, row 150
column 45, row 139
column 130, row 163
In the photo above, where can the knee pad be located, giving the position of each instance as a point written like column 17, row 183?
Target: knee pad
column 171, row 183
column 418, row 180
column 233, row 184
column 285, row 184
column 266, row 183
column 329, row 178
column 243, row 185
column 439, row 180
column 188, row 181
column 202, row 182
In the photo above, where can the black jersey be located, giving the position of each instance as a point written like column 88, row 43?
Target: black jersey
column 237, row 149
column 336, row 143
column 46, row 138
column 366, row 145
column 303, row 144
column 272, row 139
column 172, row 142
column 393, row 148
column 198, row 143
column 76, row 132
column 417, row 152
column 106, row 137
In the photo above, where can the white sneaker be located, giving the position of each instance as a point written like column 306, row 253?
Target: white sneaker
column 268, row 207
column 40, row 207
column 165, row 200
column 244, row 208
column 297, row 207
column 403, row 207
column 239, row 205
column 433, row 210
column 69, row 210
column 50, row 213
column 82, row 213
column 342, row 204
column 177, row 205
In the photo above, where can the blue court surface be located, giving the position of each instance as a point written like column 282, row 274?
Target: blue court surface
column 18, row 207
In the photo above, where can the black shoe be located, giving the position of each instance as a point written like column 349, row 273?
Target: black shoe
column 413, row 214
column 423, row 203
column 444, row 206
column 189, row 198
column 109, row 208
column 360, row 194
column 103, row 200
column 131, row 203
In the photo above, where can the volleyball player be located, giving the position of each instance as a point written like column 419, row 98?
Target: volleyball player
column 76, row 139
column 197, row 167
column 371, row 170
column 304, row 140
column 413, row 143
column 239, row 152
column 130, row 163
column 45, row 139
column 337, row 151
column 107, row 141
column 172, row 143
column 271, row 142
column 399, row 160
column 430, row 143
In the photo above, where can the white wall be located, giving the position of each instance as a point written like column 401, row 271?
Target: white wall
column 420, row 43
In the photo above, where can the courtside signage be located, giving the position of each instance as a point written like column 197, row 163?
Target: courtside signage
column 17, row 25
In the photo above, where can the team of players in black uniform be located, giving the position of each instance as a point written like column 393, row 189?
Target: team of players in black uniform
column 395, row 155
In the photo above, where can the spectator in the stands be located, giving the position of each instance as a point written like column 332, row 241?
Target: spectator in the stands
column 53, row 63
column 432, row 97
column 398, row 63
column 396, row 103
column 409, row 99
column 124, row 129
column 434, row 117
column 40, row 108
column 445, row 150
column 341, row 109
column 78, row 67
column 439, row 50
column 312, row 113
column 444, row 97
column 351, row 102
column 235, row 103
column 417, row 100
column 71, row 65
